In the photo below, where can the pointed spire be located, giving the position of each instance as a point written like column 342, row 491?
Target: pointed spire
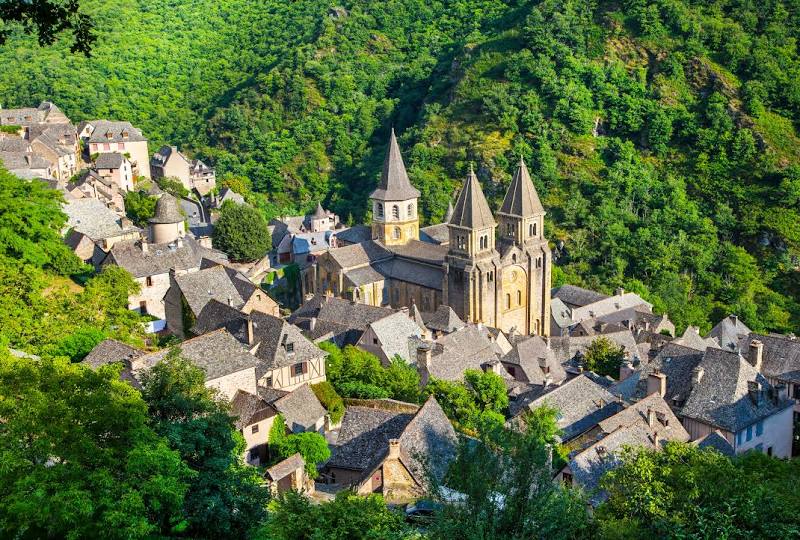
column 319, row 212
column 394, row 184
column 471, row 210
column 521, row 198
column 449, row 213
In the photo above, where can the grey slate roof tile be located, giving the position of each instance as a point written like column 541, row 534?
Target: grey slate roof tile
column 574, row 296
column 109, row 351
column 471, row 210
column 521, row 198
column 300, row 409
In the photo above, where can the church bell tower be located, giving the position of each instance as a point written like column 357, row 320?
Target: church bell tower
column 395, row 217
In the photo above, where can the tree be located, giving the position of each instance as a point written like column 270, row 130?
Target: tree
column 506, row 487
column 79, row 457
column 31, row 221
column 242, row 232
column 685, row 492
column 347, row 517
column 140, row 207
column 604, row 357
column 455, row 400
column 488, row 389
column 226, row 497
column 312, row 446
column 356, row 373
column 47, row 19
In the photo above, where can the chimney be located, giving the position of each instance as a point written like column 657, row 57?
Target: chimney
column 755, row 354
column 625, row 370
column 145, row 247
column 697, row 375
column 394, row 449
column 179, row 242
column 230, row 300
column 657, row 384
column 620, row 291
column 547, row 341
column 495, row 367
column 250, row 331
column 424, row 353
column 312, row 324
column 754, row 391
column 734, row 318
column 651, row 417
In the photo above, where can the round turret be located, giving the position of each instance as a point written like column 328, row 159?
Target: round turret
column 167, row 224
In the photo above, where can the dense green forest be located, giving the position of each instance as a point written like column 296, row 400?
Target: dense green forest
column 662, row 134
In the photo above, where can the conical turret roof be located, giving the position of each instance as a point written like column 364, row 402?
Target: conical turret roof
column 471, row 210
column 521, row 198
column 167, row 210
column 394, row 184
column 319, row 213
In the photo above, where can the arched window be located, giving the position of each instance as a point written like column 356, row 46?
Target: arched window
column 396, row 232
column 519, row 298
column 508, row 301
column 489, row 277
column 539, row 262
column 380, row 210
column 410, row 209
column 396, row 212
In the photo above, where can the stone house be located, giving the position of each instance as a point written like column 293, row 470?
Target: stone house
column 780, row 363
column 104, row 136
column 253, row 418
column 532, row 361
column 449, row 356
column 189, row 293
column 194, row 175
column 289, row 475
column 94, row 229
column 393, row 335
column 381, row 447
column 26, row 165
column 116, row 168
column 91, row 185
column 343, row 322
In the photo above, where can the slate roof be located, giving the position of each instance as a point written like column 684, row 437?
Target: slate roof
column 691, row 338
column 715, row 440
column 728, row 332
column 14, row 144
column 582, row 402
column 273, row 334
column 109, row 160
column 116, row 129
column 721, row 398
column 471, row 210
column 412, row 272
column 355, row 234
column 329, row 308
column 319, row 212
column 526, row 353
column 227, row 194
column 94, row 219
column 394, row 184
column 250, row 409
column 677, row 363
column 167, row 210
column 284, row 468
column 300, row 408
column 394, row 332
column 109, row 351
column 216, row 315
column 561, row 313
column 160, row 258
column 217, row 353
column 359, row 254
column 609, row 305
column 521, row 198
column 364, row 275
column 666, row 426
column 567, row 348
column 218, row 282
column 421, row 251
column 781, row 356
column 18, row 160
column 444, row 319
column 435, row 234
column 466, row 348
column 311, row 242
column 365, row 434
column 574, row 296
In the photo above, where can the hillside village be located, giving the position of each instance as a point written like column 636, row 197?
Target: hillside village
column 473, row 294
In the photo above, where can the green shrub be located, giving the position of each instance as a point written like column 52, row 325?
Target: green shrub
column 326, row 394
column 361, row 390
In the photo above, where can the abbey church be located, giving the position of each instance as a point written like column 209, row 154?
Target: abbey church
column 492, row 269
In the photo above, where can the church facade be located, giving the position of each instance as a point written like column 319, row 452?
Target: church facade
column 490, row 268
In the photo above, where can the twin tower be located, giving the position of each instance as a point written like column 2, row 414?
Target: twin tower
column 497, row 277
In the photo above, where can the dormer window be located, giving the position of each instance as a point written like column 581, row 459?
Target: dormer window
column 290, row 348
column 124, row 134
column 109, row 135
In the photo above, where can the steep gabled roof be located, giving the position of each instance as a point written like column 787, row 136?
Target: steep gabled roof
column 574, row 296
column 728, row 332
column 300, row 408
column 109, row 351
column 394, row 184
column 444, row 319
column 471, row 210
column 521, row 198
column 781, row 356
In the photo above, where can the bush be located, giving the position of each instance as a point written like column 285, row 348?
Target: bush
column 326, row 394
column 78, row 344
column 242, row 233
column 361, row 390
column 604, row 357
column 172, row 185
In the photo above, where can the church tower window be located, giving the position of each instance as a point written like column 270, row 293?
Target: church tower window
column 395, row 211
column 519, row 298
column 508, row 301
column 380, row 210
column 396, row 233
column 410, row 209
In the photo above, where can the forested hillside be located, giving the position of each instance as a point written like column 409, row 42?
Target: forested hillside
column 662, row 135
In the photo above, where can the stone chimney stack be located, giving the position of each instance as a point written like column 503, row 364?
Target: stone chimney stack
column 145, row 246
column 251, row 338
column 755, row 354
column 754, row 391
column 626, row 370
column 424, row 354
column 312, row 324
column 620, row 291
column 651, row 418
column 697, row 376
column 394, row 449
column 657, row 384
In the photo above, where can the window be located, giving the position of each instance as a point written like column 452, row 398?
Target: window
column 461, row 242
column 796, row 391
column 740, row 438
column 759, row 428
column 514, row 258
column 268, row 382
column 395, row 211
column 519, row 298
column 299, row 368
column 106, row 147
column 508, row 301
column 396, row 233
column 254, row 429
column 531, row 230
column 380, row 210
column 539, row 262
column 410, row 209
column 749, row 432
column 149, row 281
column 769, row 450
column 374, row 341
column 482, row 242
column 290, row 347
column 143, row 307
column 121, row 146
column 490, row 277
